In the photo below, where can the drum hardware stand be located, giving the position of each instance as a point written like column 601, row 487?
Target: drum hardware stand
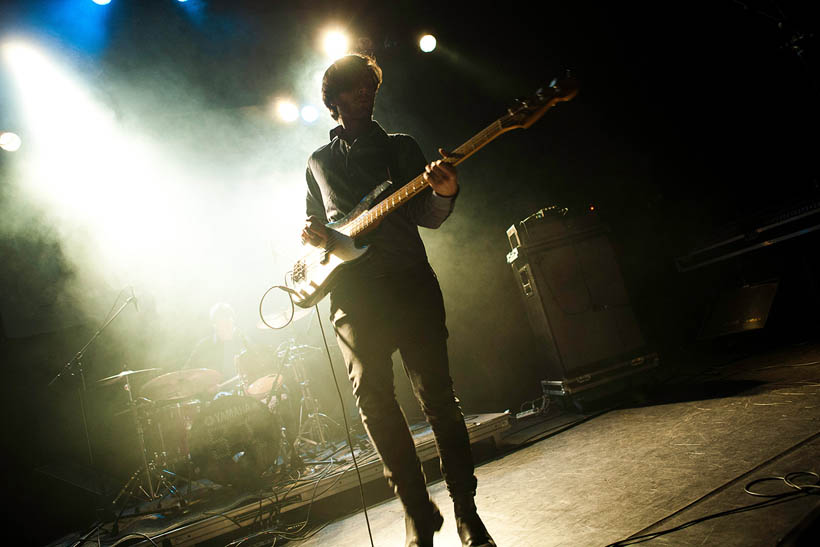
column 286, row 450
column 312, row 423
column 148, row 467
column 75, row 368
column 140, row 434
column 133, row 484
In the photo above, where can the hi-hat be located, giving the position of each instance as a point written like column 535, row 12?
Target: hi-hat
column 279, row 319
column 181, row 384
column 122, row 376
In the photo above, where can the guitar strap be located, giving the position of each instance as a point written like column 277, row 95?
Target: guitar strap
column 392, row 167
column 392, row 160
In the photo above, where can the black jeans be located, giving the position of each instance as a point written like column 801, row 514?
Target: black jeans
column 372, row 319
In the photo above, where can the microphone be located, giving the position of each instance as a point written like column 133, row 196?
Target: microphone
column 134, row 300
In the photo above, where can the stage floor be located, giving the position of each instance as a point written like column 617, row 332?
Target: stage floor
column 683, row 451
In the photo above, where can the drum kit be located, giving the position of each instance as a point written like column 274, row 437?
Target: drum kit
column 192, row 424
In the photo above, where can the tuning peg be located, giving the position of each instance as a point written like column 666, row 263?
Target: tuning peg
column 519, row 104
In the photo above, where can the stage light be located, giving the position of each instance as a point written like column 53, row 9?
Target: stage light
column 427, row 43
column 310, row 114
column 194, row 9
column 335, row 44
column 10, row 142
column 286, row 110
column 101, row 2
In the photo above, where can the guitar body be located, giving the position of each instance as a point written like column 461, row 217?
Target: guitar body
column 312, row 277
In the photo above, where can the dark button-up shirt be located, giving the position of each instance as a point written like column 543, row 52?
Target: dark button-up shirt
column 339, row 175
column 211, row 352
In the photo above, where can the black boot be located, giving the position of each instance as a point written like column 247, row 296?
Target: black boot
column 420, row 524
column 470, row 528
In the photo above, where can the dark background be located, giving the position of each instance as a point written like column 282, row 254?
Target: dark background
column 691, row 117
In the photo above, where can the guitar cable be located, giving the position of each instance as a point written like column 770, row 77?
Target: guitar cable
column 347, row 427
column 290, row 292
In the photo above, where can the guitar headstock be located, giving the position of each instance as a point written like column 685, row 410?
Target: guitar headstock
column 526, row 112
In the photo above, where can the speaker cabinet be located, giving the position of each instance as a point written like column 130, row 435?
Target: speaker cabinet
column 740, row 309
column 575, row 299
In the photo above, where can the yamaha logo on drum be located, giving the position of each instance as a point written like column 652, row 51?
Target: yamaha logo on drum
column 227, row 414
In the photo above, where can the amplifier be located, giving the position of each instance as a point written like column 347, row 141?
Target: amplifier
column 575, row 299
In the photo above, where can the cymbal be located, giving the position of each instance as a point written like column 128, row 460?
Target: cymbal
column 278, row 319
column 122, row 375
column 181, row 384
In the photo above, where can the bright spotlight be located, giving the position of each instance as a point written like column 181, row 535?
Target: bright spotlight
column 335, row 44
column 101, row 2
column 427, row 43
column 310, row 114
column 286, row 110
column 10, row 142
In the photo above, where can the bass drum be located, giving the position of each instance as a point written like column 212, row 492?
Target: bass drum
column 234, row 440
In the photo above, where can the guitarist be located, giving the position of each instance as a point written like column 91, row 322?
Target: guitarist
column 391, row 299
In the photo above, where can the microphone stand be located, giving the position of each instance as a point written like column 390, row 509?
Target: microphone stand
column 75, row 368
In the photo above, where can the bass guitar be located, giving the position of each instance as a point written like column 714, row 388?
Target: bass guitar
column 312, row 276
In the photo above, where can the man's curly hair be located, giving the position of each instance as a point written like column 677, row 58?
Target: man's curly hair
column 344, row 74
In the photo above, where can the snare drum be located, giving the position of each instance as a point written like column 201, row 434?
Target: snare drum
column 266, row 386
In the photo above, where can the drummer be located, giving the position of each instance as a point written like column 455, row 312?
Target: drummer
column 228, row 351
column 220, row 350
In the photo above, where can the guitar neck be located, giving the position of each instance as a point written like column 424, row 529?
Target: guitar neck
column 395, row 200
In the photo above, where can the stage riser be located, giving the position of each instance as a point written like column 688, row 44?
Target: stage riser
column 479, row 427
